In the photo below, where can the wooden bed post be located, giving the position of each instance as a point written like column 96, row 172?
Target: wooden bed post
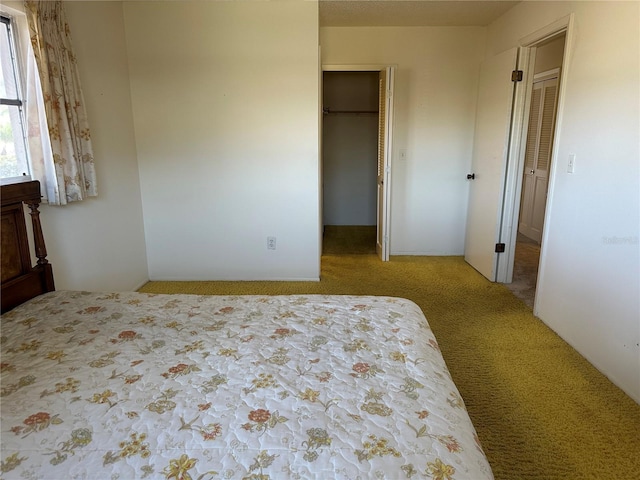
column 38, row 237
column 20, row 280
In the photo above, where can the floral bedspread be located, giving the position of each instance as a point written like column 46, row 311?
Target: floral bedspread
column 129, row 385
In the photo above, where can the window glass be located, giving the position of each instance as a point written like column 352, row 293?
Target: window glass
column 13, row 151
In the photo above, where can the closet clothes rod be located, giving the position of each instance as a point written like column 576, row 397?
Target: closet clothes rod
column 327, row 111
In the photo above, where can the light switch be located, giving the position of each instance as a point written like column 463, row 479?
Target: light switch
column 571, row 165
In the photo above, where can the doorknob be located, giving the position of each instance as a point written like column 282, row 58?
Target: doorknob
column 532, row 171
column 471, row 176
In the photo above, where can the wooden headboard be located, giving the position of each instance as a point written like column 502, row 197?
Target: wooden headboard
column 21, row 280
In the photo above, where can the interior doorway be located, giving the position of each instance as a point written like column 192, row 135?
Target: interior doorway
column 349, row 145
column 356, row 144
column 537, row 166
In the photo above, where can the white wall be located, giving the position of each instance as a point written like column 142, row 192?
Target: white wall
column 589, row 282
column 435, row 95
column 99, row 244
column 226, row 111
column 549, row 55
column 349, row 169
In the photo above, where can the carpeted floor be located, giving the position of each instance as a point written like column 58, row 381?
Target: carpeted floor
column 525, row 270
column 540, row 409
column 349, row 240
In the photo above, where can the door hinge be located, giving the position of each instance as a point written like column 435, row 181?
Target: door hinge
column 500, row 247
column 517, row 76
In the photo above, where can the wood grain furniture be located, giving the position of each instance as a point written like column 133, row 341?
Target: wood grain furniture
column 21, row 280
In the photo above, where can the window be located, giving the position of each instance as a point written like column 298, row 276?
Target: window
column 13, row 146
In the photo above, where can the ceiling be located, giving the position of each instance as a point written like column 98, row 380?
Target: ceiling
column 359, row 13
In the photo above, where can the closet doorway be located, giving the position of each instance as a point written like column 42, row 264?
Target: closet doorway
column 537, row 165
column 355, row 142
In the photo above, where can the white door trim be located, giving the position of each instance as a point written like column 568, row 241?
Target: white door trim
column 320, row 164
column 388, row 140
column 548, row 75
column 331, row 67
column 385, row 203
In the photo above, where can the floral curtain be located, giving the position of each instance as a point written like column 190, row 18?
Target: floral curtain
column 71, row 176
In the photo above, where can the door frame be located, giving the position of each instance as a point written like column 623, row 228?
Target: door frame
column 513, row 182
column 386, row 207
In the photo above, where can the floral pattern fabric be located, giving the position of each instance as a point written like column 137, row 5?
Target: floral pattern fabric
column 131, row 385
column 71, row 176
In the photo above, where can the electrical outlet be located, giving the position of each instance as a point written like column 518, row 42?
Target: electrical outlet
column 271, row 243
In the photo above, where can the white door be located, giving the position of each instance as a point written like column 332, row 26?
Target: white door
column 537, row 157
column 385, row 127
column 489, row 162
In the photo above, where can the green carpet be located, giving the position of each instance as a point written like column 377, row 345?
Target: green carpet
column 349, row 239
column 540, row 409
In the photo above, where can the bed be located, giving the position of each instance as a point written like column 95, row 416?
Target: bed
column 129, row 385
